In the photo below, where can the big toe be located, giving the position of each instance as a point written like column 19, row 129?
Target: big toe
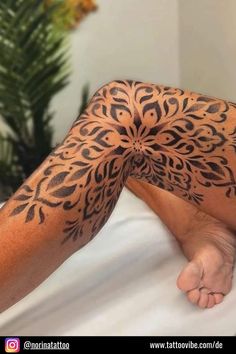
column 190, row 277
column 190, row 281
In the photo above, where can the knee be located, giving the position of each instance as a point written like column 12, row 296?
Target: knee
column 101, row 129
column 114, row 118
column 113, row 102
column 110, row 106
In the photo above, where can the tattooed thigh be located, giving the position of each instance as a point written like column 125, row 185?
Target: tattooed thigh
column 85, row 174
column 174, row 139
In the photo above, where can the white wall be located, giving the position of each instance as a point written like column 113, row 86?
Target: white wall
column 207, row 34
column 133, row 39
column 187, row 43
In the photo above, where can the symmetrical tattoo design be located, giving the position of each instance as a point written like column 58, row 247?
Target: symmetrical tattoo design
column 171, row 138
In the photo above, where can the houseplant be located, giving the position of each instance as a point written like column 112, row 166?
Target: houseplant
column 33, row 69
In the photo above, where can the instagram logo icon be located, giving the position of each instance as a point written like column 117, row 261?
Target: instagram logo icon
column 12, row 345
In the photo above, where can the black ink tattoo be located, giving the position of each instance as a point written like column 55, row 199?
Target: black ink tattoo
column 170, row 138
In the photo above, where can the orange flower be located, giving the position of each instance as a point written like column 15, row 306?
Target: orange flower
column 72, row 11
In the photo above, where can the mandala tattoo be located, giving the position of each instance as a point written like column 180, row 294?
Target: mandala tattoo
column 171, row 138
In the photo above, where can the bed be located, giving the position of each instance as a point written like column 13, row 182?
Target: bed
column 122, row 283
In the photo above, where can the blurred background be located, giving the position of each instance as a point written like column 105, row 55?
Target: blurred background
column 55, row 54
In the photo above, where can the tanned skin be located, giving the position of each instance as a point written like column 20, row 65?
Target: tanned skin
column 179, row 141
column 208, row 244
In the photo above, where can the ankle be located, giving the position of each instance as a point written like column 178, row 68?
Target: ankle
column 208, row 236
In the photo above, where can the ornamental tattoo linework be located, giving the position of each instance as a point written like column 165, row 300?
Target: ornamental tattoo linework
column 169, row 137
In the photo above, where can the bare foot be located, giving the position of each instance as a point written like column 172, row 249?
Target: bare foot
column 208, row 244
column 210, row 247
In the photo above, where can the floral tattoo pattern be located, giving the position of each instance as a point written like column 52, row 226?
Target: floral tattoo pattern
column 171, row 138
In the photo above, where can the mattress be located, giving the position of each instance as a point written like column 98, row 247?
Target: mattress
column 122, row 283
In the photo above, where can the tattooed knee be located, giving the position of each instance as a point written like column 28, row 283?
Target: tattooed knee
column 153, row 132
column 122, row 119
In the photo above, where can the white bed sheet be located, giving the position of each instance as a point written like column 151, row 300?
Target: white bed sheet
column 122, row 283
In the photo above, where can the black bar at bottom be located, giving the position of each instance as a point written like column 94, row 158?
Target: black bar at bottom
column 110, row 344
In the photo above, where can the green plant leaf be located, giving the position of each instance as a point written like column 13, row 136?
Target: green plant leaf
column 33, row 69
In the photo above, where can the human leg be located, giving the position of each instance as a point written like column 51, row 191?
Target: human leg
column 207, row 243
column 177, row 140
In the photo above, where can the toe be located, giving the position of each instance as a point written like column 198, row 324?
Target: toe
column 218, row 298
column 193, row 295
column 190, row 277
column 211, row 301
column 204, row 297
